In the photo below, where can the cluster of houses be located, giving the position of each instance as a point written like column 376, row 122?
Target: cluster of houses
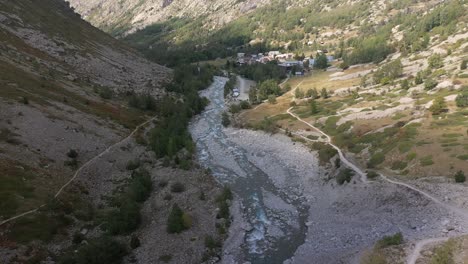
column 286, row 60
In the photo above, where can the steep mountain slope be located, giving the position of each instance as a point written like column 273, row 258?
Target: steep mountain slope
column 57, row 74
column 76, row 107
column 128, row 16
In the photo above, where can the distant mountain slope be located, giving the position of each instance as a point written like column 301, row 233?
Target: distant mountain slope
column 174, row 32
column 122, row 17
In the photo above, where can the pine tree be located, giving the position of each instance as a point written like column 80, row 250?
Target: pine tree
column 175, row 222
column 438, row 106
column 313, row 107
column 324, row 93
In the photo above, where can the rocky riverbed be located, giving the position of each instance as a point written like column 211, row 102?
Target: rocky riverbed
column 287, row 209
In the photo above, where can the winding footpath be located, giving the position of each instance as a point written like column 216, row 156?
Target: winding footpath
column 80, row 169
column 419, row 245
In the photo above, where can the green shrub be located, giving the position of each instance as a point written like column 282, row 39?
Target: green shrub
column 411, row 156
column 222, row 200
column 123, row 220
column 244, row 105
column 430, row 84
column 376, row 159
column 438, row 106
column 460, row 177
column 103, row 250
column 419, row 78
column 140, row 186
column 126, row 217
column 134, row 242
column 175, row 222
column 325, row 151
column 225, row 121
column 272, row 99
column 344, row 176
column 133, row 164
column 73, row 163
column 462, row 98
column 177, row 187
column 72, row 154
column 393, row 240
column 405, row 84
column 463, row 157
column 235, row 108
column 435, row 61
column 321, row 61
column 405, row 146
column 463, row 64
column 372, row 174
column 143, row 102
column 267, row 125
column 426, row 160
column 105, row 93
column 212, row 243
column 399, row 165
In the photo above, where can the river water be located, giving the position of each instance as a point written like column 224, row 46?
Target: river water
column 294, row 213
column 275, row 234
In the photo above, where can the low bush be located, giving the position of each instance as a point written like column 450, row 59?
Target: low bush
column 72, row 154
column 399, row 165
column 426, row 160
column 73, row 163
column 140, row 186
column 175, row 221
column 267, row 125
column 325, row 151
column 103, row 250
column 177, row 187
column 126, row 217
column 460, row 177
column 123, row 220
column 430, row 84
column 372, row 174
column 393, row 240
column 462, row 98
column 105, row 93
column 225, row 121
column 212, row 243
column 133, row 165
column 344, row 176
column 143, row 102
column 134, row 242
column 376, row 159
column 411, row 156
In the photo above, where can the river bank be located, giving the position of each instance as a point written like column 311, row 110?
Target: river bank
column 288, row 210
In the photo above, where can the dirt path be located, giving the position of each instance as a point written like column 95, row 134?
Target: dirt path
column 328, row 141
column 80, row 169
column 412, row 258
